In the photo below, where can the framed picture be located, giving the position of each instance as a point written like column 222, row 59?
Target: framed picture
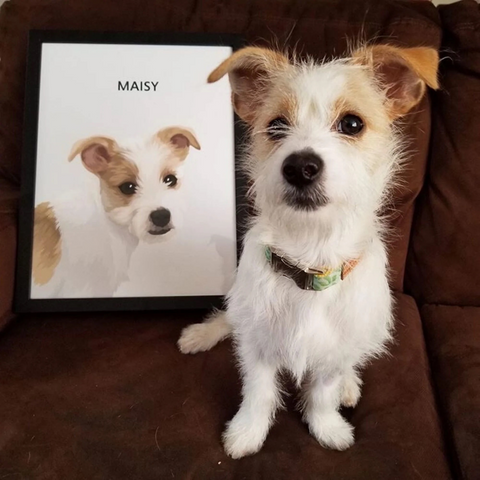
column 131, row 198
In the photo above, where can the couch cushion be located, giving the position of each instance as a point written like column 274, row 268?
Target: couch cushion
column 444, row 265
column 110, row 397
column 453, row 339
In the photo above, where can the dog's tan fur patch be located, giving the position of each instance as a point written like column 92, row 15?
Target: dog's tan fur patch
column 170, row 169
column 280, row 103
column 357, row 100
column 109, row 143
column 171, row 163
column 178, row 139
column 119, row 171
column 251, row 71
column 47, row 245
column 288, row 106
column 404, row 73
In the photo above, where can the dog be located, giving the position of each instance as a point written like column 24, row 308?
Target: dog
column 83, row 241
column 311, row 295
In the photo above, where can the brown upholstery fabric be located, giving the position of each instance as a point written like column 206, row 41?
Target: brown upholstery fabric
column 317, row 27
column 453, row 338
column 110, row 397
column 8, row 242
column 443, row 265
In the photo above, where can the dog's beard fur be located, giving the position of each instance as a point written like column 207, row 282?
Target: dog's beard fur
column 323, row 337
column 308, row 199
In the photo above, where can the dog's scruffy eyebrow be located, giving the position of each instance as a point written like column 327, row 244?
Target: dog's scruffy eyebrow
column 120, row 170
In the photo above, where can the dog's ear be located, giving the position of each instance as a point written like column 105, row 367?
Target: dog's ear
column 181, row 138
column 96, row 153
column 404, row 73
column 250, row 71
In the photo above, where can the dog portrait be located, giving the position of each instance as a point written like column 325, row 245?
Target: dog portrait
column 134, row 185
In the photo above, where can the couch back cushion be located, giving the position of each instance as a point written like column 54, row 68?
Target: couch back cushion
column 444, row 258
column 318, row 28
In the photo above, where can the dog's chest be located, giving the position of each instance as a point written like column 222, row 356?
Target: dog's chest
column 301, row 329
column 290, row 326
column 304, row 329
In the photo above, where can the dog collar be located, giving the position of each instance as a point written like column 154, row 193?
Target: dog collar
column 316, row 279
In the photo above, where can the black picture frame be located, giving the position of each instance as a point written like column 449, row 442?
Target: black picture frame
column 22, row 301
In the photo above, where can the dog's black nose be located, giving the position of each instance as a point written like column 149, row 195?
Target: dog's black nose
column 160, row 217
column 302, row 168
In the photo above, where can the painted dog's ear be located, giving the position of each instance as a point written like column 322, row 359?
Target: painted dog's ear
column 403, row 73
column 180, row 138
column 251, row 71
column 96, row 153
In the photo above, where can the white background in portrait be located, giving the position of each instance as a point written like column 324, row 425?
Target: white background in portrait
column 79, row 98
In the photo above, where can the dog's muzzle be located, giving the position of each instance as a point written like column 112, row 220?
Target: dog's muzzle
column 160, row 220
column 302, row 172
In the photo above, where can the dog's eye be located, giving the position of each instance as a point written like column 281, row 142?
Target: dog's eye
column 350, row 125
column 277, row 128
column 128, row 188
column 170, row 180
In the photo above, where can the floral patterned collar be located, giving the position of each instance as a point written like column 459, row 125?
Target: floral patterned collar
column 316, row 279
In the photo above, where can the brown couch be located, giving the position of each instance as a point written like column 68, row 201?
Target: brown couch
column 108, row 396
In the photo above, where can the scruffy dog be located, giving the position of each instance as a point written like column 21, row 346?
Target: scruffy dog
column 311, row 295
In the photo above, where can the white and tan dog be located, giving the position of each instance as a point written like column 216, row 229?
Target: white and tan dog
column 83, row 241
column 311, row 295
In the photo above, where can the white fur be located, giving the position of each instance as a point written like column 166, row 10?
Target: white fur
column 97, row 241
column 321, row 338
column 95, row 251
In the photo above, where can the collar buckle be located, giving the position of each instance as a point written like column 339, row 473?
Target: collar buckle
column 321, row 273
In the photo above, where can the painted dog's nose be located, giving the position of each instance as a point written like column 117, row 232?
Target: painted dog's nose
column 160, row 217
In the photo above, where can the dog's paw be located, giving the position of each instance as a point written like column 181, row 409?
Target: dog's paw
column 331, row 431
column 201, row 337
column 351, row 391
column 242, row 438
column 196, row 338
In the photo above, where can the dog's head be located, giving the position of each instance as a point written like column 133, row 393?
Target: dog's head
column 139, row 181
column 323, row 133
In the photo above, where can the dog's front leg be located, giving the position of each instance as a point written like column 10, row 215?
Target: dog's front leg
column 246, row 432
column 322, row 401
column 351, row 388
